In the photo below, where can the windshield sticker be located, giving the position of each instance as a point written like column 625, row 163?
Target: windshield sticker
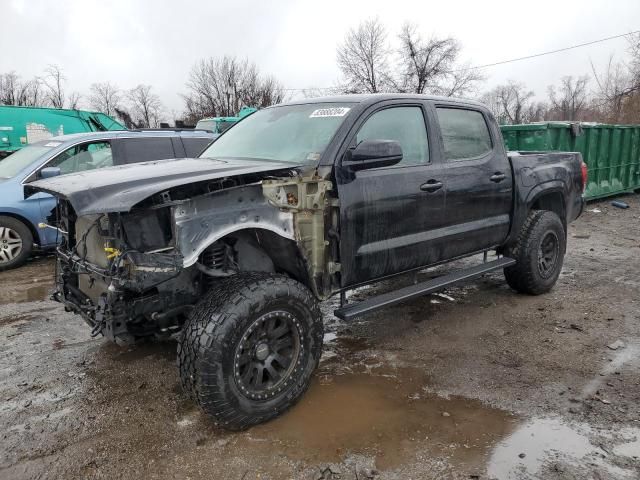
column 52, row 144
column 313, row 157
column 330, row 112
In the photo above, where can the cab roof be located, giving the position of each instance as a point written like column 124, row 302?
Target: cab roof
column 371, row 98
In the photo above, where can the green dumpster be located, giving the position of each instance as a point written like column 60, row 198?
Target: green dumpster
column 221, row 124
column 611, row 152
column 20, row 126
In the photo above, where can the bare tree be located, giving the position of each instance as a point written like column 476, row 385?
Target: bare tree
column 221, row 86
column 617, row 94
column 569, row 100
column 363, row 59
column 74, row 100
column 535, row 112
column 13, row 91
column 430, row 66
column 510, row 103
column 8, row 88
column 634, row 64
column 145, row 106
column 54, row 81
column 105, row 97
column 126, row 118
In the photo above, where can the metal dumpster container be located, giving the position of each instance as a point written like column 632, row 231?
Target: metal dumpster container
column 611, row 152
column 20, row 126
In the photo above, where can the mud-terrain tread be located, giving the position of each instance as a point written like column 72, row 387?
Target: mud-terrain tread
column 187, row 350
column 199, row 352
column 521, row 276
column 27, row 241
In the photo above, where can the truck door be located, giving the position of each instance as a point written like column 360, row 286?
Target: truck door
column 477, row 179
column 387, row 213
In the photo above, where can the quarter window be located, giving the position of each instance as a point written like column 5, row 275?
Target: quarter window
column 464, row 133
column 406, row 126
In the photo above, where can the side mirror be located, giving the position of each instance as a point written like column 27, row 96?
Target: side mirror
column 373, row 154
column 48, row 172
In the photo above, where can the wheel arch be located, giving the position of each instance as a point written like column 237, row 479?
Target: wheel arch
column 550, row 196
column 284, row 252
column 551, row 200
column 32, row 228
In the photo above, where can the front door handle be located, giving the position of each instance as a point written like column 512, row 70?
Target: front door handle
column 431, row 186
column 497, row 177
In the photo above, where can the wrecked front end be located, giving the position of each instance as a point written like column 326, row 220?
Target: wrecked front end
column 137, row 274
column 123, row 273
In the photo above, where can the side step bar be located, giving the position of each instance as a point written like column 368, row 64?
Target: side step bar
column 349, row 312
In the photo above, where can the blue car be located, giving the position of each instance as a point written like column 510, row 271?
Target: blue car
column 20, row 217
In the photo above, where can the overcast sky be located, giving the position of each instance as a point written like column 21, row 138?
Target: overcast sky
column 128, row 42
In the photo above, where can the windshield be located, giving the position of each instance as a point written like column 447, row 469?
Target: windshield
column 21, row 159
column 293, row 133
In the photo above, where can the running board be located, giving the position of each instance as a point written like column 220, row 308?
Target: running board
column 349, row 312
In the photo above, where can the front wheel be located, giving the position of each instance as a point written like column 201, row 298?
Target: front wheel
column 16, row 243
column 249, row 348
column 539, row 253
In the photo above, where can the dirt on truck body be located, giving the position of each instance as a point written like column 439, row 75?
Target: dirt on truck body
column 233, row 251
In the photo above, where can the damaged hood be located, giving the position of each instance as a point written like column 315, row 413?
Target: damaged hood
column 118, row 189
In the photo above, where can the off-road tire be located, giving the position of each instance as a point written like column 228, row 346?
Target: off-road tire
column 222, row 321
column 527, row 276
column 11, row 227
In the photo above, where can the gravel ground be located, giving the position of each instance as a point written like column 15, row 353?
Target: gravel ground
column 476, row 382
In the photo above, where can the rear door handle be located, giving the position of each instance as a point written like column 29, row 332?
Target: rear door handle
column 431, row 186
column 497, row 177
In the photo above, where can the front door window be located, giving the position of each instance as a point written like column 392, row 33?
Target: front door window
column 80, row 158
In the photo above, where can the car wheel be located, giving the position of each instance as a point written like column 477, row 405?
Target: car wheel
column 249, row 348
column 539, row 253
column 16, row 243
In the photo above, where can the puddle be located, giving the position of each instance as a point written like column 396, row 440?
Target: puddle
column 543, row 441
column 29, row 283
column 29, row 294
column 389, row 418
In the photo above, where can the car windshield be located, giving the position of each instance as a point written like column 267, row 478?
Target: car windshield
column 292, row 133
column 21, row 159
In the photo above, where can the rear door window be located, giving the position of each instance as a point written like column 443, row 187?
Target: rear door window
column 134, row 150
column 465, row 134
column 195, row 146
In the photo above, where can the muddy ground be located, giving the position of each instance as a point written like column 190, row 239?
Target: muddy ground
column 476, row 382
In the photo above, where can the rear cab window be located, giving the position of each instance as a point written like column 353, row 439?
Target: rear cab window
column 465, row 134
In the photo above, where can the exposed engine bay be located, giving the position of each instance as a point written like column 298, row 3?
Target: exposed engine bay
column 137, row 274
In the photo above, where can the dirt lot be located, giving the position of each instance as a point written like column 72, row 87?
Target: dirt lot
column 477, row 382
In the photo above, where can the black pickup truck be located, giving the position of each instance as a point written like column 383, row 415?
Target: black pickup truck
column 232, row 251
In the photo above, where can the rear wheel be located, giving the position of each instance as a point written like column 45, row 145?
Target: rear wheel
column 249, row 349
column 16, row 243
column 539, row 253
